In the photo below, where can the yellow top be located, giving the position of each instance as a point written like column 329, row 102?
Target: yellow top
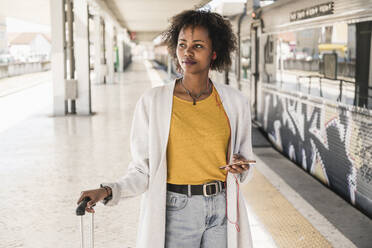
column 198, row 141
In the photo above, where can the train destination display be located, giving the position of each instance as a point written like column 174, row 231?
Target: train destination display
column 311, row 12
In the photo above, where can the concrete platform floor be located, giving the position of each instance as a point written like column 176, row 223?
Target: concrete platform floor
column 45, row 162
column 24, row 96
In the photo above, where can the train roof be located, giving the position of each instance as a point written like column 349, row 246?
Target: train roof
column 285, row 15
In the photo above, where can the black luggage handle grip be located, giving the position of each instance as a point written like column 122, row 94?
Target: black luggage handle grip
column 80, row 210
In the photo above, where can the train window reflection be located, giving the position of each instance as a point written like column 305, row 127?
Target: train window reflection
column 300, row 62
column 245, row 59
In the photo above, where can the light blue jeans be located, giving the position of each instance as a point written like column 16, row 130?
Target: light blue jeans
column 196, row 221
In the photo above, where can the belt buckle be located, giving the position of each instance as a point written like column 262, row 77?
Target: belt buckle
column 205, row 189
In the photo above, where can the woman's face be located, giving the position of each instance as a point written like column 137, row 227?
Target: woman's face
column 194, row 50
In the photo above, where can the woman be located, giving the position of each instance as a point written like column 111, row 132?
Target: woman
column 181, row 134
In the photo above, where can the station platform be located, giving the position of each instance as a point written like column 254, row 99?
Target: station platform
column 45, row 162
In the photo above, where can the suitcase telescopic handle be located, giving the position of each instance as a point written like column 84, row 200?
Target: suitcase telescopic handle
column 80, row 210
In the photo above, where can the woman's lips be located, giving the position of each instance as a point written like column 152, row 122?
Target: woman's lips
column 189, row 62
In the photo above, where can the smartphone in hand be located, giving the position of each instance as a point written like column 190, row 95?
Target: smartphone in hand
column 240, row 163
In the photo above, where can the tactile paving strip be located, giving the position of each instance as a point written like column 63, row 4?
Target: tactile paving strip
column 286, row 225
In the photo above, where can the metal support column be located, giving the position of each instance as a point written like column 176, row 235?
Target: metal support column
column 104, row 49
column 110, row 51
column 58, row 57
column 121, row 52
column 70, row 48
column 83, row 101
column 169, row 67
column 98, row 49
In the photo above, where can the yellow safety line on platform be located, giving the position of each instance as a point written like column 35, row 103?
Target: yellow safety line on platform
column 286, row 225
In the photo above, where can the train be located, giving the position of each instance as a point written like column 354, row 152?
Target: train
column 305, row 67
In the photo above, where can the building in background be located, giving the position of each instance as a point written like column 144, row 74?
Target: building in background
column 3, row 41
column 3, row 36
column 29, row 47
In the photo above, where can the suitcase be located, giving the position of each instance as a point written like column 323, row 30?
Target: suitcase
column 80, row 211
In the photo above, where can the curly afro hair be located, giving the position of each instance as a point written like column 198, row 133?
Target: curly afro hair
column 219, row 31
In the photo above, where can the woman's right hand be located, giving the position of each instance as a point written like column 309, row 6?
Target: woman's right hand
column 95, row 196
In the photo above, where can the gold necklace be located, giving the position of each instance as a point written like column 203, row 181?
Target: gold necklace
column 194, row 98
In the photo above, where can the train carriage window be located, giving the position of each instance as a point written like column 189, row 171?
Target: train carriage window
column 245, row 59
column 363, row 92
column 269, row 69
column 300, row 65
column 269, row 50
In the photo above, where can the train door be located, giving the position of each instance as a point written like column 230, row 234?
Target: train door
column 255, row 55
column 363, row 77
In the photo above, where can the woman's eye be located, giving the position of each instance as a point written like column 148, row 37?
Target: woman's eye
column 181, row 45
column 198, row 46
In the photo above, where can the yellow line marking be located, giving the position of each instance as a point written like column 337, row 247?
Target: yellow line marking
column 286, row 225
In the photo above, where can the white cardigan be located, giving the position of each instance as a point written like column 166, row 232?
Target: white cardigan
column 147, row 171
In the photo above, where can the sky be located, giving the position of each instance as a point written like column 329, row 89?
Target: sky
column 15, row 25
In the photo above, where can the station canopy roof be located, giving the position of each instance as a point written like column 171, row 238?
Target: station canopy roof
column 147, row 18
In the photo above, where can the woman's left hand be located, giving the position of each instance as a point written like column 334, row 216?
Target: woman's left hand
column 238, row 169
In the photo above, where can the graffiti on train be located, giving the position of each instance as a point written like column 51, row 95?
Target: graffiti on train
column 333, row 144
